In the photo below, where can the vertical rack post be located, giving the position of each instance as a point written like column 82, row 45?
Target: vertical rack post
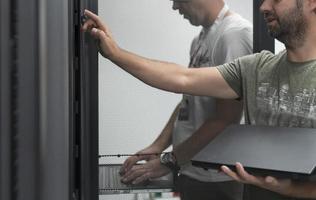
column 262, row 40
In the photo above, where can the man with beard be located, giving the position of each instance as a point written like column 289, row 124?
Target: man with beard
column 225, row 36
column 277, row 90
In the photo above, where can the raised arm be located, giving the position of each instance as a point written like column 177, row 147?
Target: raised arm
column 163, row 75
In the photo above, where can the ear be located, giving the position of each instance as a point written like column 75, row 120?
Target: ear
column 311, row 4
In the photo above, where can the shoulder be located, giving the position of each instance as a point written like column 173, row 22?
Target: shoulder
column 235, row 30
column 234, row 27
column 235, row 21
column 261, row 57
column 266, row 56
column 259, row 61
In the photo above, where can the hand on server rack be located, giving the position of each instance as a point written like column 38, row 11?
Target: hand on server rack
column 147, row 154
column 139, row 173
column 143, row 172
column 106, row 43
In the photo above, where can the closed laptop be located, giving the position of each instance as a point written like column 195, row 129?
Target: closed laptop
column 278, row 151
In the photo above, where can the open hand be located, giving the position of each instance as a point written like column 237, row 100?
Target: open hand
column 146, row 154
column 144, row 172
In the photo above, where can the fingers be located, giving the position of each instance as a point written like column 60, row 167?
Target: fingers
column 96, row 19
column 282, row 186
column 125, row 166
column 132, row 172
column 95, row 24
column 88, row 25
column 271, row 181
column 140, row 173
column 129, row 163
column 241, row 175
column 105, row 42
column 230, row 173
column 274, row 182
column 98, row 34
column 92, row 27
column 136, row 172
column 246, row 177
column 143, row 178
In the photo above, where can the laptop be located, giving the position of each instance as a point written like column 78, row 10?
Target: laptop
column 276, row 151
column 110, row 182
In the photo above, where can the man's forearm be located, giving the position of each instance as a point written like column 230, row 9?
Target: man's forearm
column 228, row 112
column 162, row 75
column 164, row 140
column 174, row 78
column 209, row 130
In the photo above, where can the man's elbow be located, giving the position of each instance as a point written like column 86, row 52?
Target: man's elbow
column 181, row 85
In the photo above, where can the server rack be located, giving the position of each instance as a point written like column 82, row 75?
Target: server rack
column 49, row 102
column 5, row 102
column 49, row 99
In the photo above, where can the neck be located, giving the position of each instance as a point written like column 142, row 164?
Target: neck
column 306, row 51
column 214, row 9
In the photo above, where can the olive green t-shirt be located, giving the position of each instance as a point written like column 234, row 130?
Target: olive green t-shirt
column 275, row 91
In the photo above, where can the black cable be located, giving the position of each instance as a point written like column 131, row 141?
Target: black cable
column 128, row 155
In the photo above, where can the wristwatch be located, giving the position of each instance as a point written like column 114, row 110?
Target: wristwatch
column 169, row 160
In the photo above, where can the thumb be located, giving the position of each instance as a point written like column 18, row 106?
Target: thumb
column 97, row 33
column 271, row 181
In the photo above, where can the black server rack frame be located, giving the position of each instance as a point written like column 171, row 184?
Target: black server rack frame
column 49, row 99
column 261, row 39
column 49, row 102
column 5, row 101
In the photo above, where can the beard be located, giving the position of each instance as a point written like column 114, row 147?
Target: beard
column 291, row 27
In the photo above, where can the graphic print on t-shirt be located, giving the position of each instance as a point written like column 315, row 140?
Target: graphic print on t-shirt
column 279, row 107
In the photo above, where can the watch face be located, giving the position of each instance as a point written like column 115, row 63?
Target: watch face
column 169, row 161
column 163, row 159
column 167, row 158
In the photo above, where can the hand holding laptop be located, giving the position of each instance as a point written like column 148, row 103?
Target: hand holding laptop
column 279, row 159
column 282, row 186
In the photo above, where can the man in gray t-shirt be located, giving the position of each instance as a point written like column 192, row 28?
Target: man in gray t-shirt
column 277, row 90
column 224, row 37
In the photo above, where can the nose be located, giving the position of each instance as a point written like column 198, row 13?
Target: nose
column 175, row 5
column 265, row 6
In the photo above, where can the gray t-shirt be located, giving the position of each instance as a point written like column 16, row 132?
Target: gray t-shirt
column 226, row 40
column 276, row 92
